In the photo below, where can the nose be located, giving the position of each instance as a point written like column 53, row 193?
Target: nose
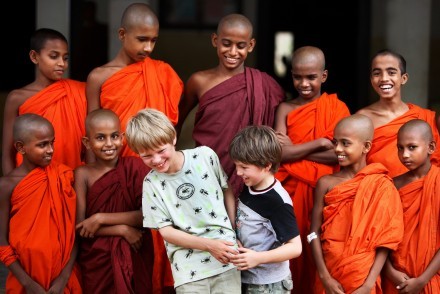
column 148, row 47
column 405, row 153
column 338, row 148
column 49, row 149
column 233, row 50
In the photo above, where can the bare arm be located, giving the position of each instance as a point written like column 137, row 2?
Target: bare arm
column 295, row 152
column 330, row 284
column 416, row 284
column 8, row 149
column 60, row 282
column 229, row 200
column 325, row 157
column 220, row 249
column 248, row 258
column 312, row 150
column 379, row 261
column 187, row 103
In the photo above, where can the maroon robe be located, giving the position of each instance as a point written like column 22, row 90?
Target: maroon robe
column 108, row 264
column 249, row 98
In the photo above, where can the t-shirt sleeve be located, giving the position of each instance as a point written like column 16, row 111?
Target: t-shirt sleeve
column 214, row 161
column 284, row 223
column 154, row 212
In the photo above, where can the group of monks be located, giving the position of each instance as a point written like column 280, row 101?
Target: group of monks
column 229, row 96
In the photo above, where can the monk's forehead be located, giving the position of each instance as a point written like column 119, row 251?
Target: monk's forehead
column 235, row 22
column 419, row 130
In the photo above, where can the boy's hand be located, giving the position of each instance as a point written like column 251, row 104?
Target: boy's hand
column 88, row 227
column 57, row 286
column 284, row 139
column 247, row 259
column 34, row 288
column 332, row 286
column 133, row 236
column 221, row 250
column 326, row 144
column 411, row 286
column 361, row 290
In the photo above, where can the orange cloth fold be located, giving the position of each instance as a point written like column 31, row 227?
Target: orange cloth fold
column 146, row 84
column 359, row 216
column 384, row 149
column 42, row 226
column 7, row 255
column 421, row 241
column 64, row 104
column 314, row 120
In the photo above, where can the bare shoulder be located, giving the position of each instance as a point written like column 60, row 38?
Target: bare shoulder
column 8, row 184
column 328, row 182
column 402, row 180
column 17, row 97
column 101, row 73
column 377, row 115
column 286, row 107
column 202, row 81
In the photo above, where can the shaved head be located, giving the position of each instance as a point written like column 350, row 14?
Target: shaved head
column 99, row 115
column 26, row 124
column 359, row 124
column 417, row 126
column 308, row 54
column 138, row 14
column 236, row 21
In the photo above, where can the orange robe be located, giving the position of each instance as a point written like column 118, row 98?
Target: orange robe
column 359, row 216
column 384, row 149
column 64, row 104
column 146, row 84
column 314, row 120
column 421, row 240
column 42, row 227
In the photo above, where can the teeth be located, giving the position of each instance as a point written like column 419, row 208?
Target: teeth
column 386, row 87
column 341, row 156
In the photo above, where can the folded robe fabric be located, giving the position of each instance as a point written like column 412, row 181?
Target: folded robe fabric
column 42, row 226
column 110, row 259
column 384, row 148
column 145, row 84
column 421, row 240
column 314, row 120
column 359, row 216
column 249, row 98
column 64, row 104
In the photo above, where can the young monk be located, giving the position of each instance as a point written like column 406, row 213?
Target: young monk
column 61, row 101
column 37, row 215
column 388, row 75
column 132, row 80
column 230, row 96
column 357, row 215
column 304, row 127
column 114, row 249
column 415, row 266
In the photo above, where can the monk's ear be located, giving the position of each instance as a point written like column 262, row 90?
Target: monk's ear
column 324, row 76
column 121, row 34
column 122, row 137
column 405, row 78
column 86, row 142
column 431, row 147
column 214, row 38
column 252, row 45
column 367, row 147
column 33, row 56
column 19, row 146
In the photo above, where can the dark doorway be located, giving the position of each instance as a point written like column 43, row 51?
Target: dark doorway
column 340, row 29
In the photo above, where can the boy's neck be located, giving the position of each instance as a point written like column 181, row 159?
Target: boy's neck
column 268, row 181
column 176, row 163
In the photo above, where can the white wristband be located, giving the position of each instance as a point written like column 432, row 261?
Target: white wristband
column 311, row 236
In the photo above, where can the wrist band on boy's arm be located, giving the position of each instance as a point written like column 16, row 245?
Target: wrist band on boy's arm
column 311, row 236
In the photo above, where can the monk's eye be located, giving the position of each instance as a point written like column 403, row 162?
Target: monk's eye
column 412, row 147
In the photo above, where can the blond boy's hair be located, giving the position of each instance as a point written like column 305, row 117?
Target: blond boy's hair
column 149, row 129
